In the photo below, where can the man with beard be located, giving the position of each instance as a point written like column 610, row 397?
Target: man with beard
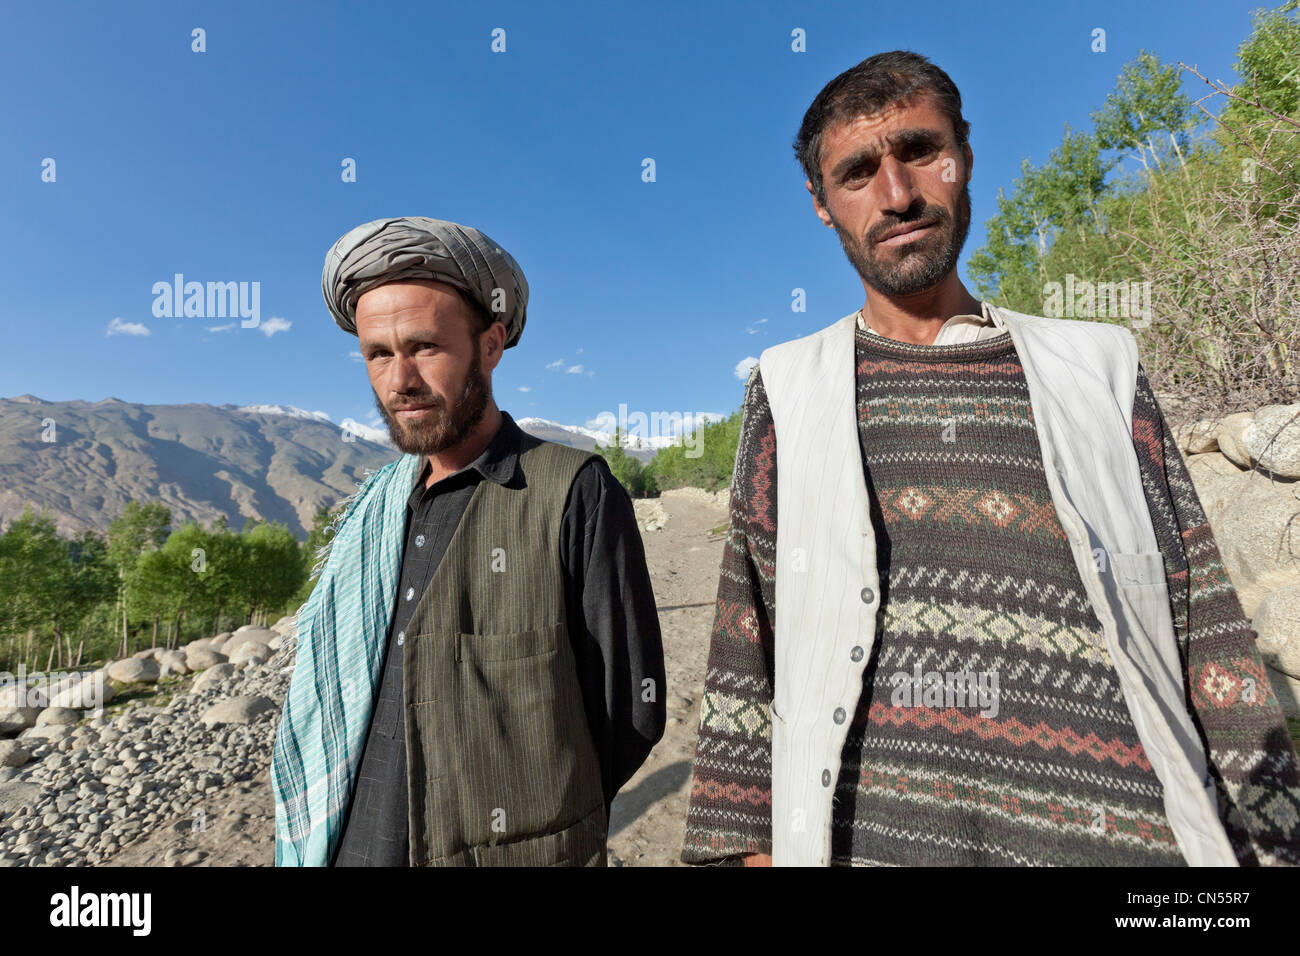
column 479, row 668
column 981, row 619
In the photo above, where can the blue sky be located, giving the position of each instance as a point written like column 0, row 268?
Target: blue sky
column 225, row 166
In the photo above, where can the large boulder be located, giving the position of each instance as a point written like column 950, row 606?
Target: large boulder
column 58, row 715
column 13, row 754
column 23, row 696
column 171, row 662
column 217, row 640
column 14, row 720
column 88, row 693
column 237, row 710
column 251, row 652
column 1256, row 523
column 248, row 634
column 1277, row 622
column 48, row 731
column 1230, row 438
column 135, row 670
column 1272, row 438
column 147, row 654
column 214, row 675
column 200, row 658
column 1198, row 438
column 16, row 794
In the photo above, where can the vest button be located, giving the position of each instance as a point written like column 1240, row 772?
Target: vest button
column 419, row 541
column 856, row 654
column 410, row 593
column 401, row 638
column 868, row 595
column 826, row 778
column 839, row 715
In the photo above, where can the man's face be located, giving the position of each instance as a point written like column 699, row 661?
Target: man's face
column 425, row 368
column 898, row 169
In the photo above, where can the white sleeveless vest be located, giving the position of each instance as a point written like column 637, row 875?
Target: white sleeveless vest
column 1081, row 377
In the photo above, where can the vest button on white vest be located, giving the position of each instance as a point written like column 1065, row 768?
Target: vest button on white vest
column 868, row 595
column 839, row 715
column 826, row 778
column 856, row 654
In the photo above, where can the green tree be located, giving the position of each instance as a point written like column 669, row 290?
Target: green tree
column 138, row 529
column 627, row 469
column 321, row 533
column 35, row 568
column 274, row 568
column 1269, row 63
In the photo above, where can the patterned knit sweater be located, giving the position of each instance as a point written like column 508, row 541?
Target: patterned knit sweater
column 1038, row 761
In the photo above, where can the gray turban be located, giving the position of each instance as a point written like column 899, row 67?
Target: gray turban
column 416, row 247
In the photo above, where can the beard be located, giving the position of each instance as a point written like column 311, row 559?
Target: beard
column 442, row 427
column 918, row 265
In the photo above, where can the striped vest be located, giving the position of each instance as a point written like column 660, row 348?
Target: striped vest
column 1081, row 378
column 501, row 767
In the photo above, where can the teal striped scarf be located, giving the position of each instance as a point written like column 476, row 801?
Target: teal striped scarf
column 339, row 658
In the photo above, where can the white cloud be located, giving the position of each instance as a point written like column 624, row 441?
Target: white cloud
column 355, row 356
column 118, row 327
column 574, row 370
column 743, row 367
column 524, row 388
column 556, row 364
column 220, row 328
column 274, row 324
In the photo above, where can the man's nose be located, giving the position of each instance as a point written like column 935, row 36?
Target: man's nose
column 897, row 191
column 404, row 375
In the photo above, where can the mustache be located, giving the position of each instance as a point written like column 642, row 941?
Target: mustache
column 934, row 218
column 431, row 403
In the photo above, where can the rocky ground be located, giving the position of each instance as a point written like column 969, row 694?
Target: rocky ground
column 184, row 780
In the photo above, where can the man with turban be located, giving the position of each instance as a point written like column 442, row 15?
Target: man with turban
column 479, row 668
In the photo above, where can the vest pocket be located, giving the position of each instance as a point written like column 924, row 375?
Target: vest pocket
column 522, row 754
column 509, row 647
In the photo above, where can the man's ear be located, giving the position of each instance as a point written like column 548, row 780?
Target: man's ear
column 493, row 345
column 970, row 161
column 822, row 214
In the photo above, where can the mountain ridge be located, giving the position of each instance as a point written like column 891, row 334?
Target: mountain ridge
column 84, row 460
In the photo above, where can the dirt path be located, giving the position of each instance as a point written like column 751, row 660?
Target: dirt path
column 648, row 819
column 649, row 816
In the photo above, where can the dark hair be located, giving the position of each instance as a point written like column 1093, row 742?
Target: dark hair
column 480, row 319
column 874, row 84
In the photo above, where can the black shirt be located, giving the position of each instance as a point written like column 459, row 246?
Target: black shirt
column 612, row 622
